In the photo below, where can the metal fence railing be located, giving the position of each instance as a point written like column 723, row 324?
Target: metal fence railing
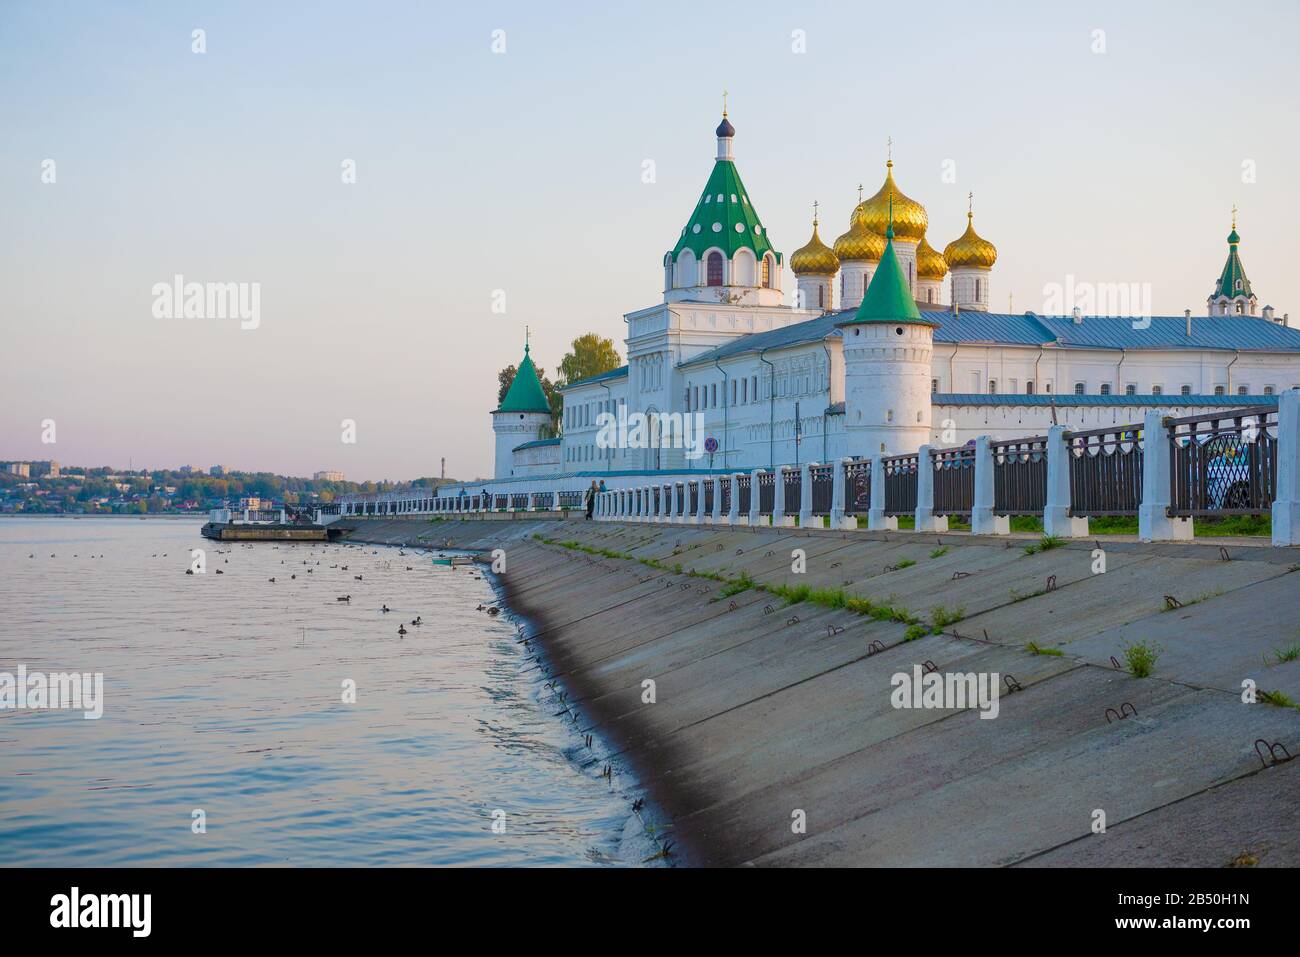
column 822, row 479
column 694, row 498
column 1105, row 471
column 954, row 480
column 726, row 495
column 792, row 482
column 766, row 493
column 857, row 487
column 900, row 484
column 709, row 496
column 1223, row 463
column 1020, row 476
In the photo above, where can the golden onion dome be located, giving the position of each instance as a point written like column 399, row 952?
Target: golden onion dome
column 860, row 243
column 930, row 263
column 910, row 218
column 970, row 249
column 814, row 259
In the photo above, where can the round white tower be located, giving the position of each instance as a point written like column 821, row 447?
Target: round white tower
column 887, row 349
column 521, row 416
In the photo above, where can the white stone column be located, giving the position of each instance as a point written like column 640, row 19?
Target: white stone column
column 982, row 519
column 755, row 516
column 1286, row 508
column 877, row 520
column 555, row 501
column 926, row 520
column 672, row 502
column 717, row 481
column 701, row 516
column 1057, row 520
column 1154, row 523
column 733, row 507
column 839, row 496
column 778, row 499
column 665, row 502
column 806, row 494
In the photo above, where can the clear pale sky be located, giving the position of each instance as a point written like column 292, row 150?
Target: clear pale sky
column 479, row 171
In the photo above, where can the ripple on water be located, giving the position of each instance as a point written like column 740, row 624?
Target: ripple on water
column 223, row 693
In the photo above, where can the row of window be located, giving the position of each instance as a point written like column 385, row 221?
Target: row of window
column 585, row 414
column 711, row 396
column 592, row 453
column 1081, row 388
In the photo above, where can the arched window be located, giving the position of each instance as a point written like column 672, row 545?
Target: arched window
column 767, row 272
column 977, row 290
column 715, row 268
column 821, row 296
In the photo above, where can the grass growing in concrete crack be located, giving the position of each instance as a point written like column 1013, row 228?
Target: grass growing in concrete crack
column 1034, row 648
column 915, row 632
column 1278, row 700
column 1044, row 544
column 737, row 585
column 1195, row 601
column 1290, row 653
column 939, row 552
column 834, row 598
column 941, row 617
column 1141, row 658
column 905, row 563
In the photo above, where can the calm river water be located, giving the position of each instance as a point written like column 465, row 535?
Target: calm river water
column 223, row 694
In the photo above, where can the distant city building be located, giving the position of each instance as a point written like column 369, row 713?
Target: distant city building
column 20, row 468
column 217, row 471
column 329, row 475
column 254, row 502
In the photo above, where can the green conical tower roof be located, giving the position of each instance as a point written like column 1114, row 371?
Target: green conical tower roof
column 887, row 298
column 724, row 217
column 525, row 393
column 1233, row 271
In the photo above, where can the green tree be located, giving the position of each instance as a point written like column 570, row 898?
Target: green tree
column 591, row 355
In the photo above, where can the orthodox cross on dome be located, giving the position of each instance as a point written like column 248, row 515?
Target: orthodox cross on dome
column 815, row 204
column 525, row 340
column 970, row 203
column 724, row 103
column 859, row 192
column 889, row 151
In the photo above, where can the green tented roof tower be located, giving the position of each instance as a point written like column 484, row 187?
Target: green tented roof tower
column 1232, row 293
column 525, row 393
column 887, row 347
column 724, row 221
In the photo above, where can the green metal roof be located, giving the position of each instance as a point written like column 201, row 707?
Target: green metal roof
column 887, row 298
column 1233, row 272
column 525, row 393
column 724, row 217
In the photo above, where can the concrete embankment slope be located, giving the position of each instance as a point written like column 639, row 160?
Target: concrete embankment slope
column 765, row 709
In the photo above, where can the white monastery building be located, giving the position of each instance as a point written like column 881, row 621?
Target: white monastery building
column 888, row 345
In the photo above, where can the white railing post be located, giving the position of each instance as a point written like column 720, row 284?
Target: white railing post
column 877, row 520
column 1154, row 521
column 664, row 498
column 701, row 514
column 778, row 499
column 672, row 502
column 839, row 495
column 717, row 481
column 1057, row 520
column 755, row 514
column 1286, row 507
column 926, row 521
column 982, row 519
column 733, row 506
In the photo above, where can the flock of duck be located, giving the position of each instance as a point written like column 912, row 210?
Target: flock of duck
column 346, row 599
